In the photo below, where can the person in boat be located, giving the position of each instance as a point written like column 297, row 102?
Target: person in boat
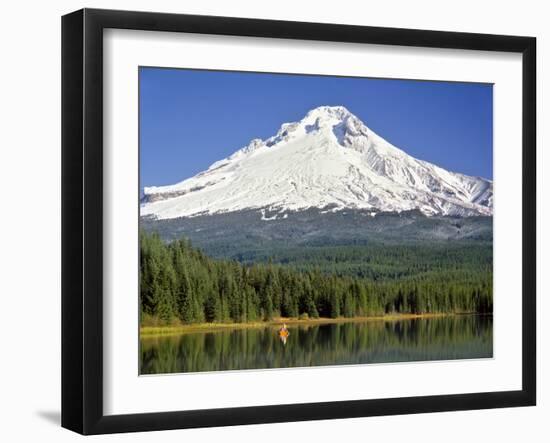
column 283, row 332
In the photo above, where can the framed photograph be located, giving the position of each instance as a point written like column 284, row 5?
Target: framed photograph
column 269, row 221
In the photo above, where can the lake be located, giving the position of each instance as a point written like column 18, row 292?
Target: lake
column 354, row 342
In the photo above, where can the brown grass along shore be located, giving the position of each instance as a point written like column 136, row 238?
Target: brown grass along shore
column 151, row 331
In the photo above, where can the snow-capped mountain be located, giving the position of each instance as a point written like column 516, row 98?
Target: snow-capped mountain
column 328, row 160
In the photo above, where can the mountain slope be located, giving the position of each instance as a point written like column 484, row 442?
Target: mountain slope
column 329, row 160
column 244, row 235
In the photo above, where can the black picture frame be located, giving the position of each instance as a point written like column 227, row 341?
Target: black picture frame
column 82, row 219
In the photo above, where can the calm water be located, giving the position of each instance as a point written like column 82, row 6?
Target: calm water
column 441, row 338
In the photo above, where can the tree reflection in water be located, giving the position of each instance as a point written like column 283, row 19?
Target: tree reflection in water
column 441, row 338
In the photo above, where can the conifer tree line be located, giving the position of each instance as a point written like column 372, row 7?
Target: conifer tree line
column 180, row 283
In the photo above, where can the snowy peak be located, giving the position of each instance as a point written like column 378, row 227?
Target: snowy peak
column 333, row 122
column 345, row 126
column 328, row 159
column 328, row 117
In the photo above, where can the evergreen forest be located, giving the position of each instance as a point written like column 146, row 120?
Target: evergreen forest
column 181, row 284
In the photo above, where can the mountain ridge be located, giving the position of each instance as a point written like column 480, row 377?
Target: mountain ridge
column 329, row 160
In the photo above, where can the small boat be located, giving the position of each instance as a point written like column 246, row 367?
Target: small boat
column 283, row 332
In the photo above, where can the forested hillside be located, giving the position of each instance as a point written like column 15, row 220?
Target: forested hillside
column 181, row 283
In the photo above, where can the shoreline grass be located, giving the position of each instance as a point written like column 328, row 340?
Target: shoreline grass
column 155, row 331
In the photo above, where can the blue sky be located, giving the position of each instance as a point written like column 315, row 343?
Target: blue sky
column 190, row 119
